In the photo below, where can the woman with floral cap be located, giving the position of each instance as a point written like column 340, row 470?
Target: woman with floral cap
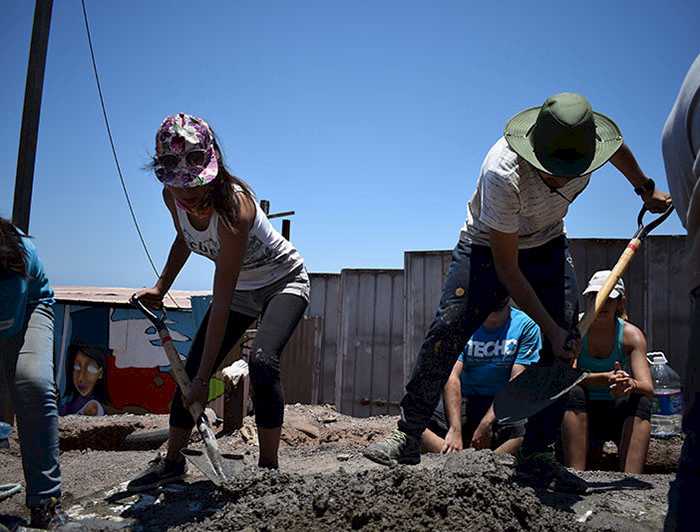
column 258, row 274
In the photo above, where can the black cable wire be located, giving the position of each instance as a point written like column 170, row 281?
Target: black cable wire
column 114, row 151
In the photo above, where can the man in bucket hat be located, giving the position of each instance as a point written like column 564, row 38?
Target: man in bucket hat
column 513, row 242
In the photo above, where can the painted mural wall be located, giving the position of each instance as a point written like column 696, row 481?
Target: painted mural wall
column 109, row 360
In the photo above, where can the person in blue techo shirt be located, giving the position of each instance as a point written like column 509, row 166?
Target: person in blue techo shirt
column 498, row 351
column 26, row 365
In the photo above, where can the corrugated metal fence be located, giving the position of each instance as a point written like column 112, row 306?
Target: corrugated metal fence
column 657, row 302
column 369, row 366
column 373, row 321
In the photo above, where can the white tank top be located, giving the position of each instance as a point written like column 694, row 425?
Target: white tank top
column 268, row 255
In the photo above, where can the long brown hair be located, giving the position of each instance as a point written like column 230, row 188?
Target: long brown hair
column 226, row 201
column 13, row 256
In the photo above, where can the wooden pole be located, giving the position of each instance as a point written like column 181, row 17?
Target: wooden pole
column 27, row 142
column 30, row 114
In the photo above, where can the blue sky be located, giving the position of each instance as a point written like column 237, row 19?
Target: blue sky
column 370, row 119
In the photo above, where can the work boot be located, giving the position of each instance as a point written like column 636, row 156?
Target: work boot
column 49, row 515
column 543, row 470
column 397, row 448
column 160, row 472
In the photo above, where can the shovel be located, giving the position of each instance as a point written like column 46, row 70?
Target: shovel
column 539, row 386
column 217, row 467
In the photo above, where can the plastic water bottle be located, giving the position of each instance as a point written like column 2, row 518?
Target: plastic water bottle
column 5, row 430
column 666, row 406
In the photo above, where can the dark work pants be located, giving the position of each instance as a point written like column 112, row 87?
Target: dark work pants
column 470, row 293
column 279, row 318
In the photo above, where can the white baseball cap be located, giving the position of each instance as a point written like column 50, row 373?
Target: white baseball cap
column 597, row 281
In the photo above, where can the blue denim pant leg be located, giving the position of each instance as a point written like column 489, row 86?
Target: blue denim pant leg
column 27, row 360
column 683, row 493
column 470, row 292
column 550, row 271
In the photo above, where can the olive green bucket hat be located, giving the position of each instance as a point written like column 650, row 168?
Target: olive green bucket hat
column 563, row 137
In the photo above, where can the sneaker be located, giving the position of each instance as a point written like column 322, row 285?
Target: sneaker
column 545, row 471
column 397, row 448
column 160, row 472
column 49, row 515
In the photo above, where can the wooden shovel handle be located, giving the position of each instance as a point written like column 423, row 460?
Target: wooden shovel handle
column 602, row 295
column 181, row 377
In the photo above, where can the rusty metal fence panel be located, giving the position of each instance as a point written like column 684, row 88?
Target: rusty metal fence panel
column 325, row 303
column 369, row 368
column 300, row 362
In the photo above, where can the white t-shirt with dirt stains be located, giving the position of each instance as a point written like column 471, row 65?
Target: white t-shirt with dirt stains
column 511, row 197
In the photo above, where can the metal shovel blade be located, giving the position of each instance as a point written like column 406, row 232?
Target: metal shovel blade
column 228, row 467
column 534, row 390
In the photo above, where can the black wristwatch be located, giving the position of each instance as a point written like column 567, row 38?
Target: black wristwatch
column 648, row 186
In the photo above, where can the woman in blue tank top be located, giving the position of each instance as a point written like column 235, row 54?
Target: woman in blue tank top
column 612, row 403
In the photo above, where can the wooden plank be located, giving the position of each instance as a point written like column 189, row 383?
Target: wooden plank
column 636, row 287
column 680, row 307
column 297, row 362
column 396, row 370
column 364, row 344
column 414, row 265
column 325, row 302
column 315, row 337
column 657, row 284
column 345, row 365
column 381, row 344
column 423, row 286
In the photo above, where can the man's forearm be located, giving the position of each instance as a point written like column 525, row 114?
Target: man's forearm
column 453, row 405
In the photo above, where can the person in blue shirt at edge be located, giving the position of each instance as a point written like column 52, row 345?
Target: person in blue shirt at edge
column 612, row 403
column 498, row 351
column 514, row 242
column 26, row 363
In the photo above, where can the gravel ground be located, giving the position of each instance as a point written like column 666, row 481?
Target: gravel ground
column 325, row 484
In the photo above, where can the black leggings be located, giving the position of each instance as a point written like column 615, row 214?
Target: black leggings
column 279, row 318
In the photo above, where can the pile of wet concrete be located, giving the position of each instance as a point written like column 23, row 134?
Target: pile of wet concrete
column 474, row 491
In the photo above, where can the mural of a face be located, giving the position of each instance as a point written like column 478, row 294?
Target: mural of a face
column 86, row 372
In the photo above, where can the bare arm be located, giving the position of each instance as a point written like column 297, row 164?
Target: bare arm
column 484, row 432
column 453, row 405
column 625, row 162
column 179, row 253
column 635, row 346
column 504, row 247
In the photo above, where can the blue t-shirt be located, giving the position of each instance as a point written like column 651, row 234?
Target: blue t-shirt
column 17, row 294
column 489, row 356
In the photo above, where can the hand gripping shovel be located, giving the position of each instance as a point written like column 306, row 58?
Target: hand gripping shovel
column 541, row 385
column 217, row 467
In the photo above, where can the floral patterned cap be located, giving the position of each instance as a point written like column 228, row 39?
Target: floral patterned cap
column 178, row 135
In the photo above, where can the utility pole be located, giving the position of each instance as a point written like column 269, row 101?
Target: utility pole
column 30, row 115
column 27, row 144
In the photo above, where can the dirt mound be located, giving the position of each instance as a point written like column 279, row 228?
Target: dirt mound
column 474, row 491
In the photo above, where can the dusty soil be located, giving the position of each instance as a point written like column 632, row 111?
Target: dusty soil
column 325, row 484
